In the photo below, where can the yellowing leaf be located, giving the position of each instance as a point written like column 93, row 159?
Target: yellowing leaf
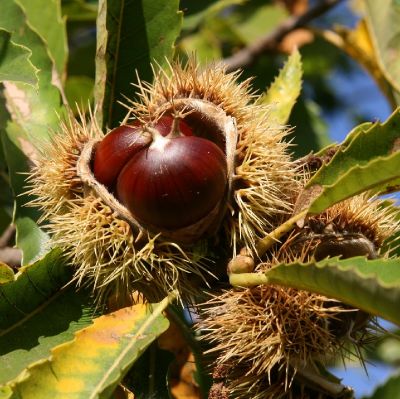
column 93, row 363
column 283, row 92
column 383, row 22
column 357, row 43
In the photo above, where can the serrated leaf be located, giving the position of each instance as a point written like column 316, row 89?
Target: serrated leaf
column 383, row 21
column 284, row 91
column 44, row 16
column 368, row 159
column 34, row 112
column 15, row 61
column 370, row 285
column 389, row 390
column 131, row 34
column 94, row 363
column 36, row 314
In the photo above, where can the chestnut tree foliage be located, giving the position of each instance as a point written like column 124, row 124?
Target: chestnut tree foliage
column 84, row 54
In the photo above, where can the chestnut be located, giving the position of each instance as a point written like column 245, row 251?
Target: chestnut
column 166, row 177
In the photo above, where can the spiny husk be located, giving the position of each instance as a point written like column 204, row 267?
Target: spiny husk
column 109, row 254
column 371, row 220
column 264, row 181
column 264, row 335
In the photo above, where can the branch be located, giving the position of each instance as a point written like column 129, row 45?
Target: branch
column 248, row 55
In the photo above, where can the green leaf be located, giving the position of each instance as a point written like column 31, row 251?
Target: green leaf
column 389, row 390
column 44, row 17
column 252, row 23
column 79, row 10
column 79, row 92
column 368, row 159
column 15, row 61
column 383, row 21
column 36, row 314
column 35, row 114
column 311, row 133
column 285, row 90
column 32, row 240
column 6, row 274
column 131, row 34
column 192, row 21
column 370, row 285
column 94, row 363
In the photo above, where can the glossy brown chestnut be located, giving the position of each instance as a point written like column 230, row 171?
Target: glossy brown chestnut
column 173, row 183
column 117, row 148
column 164, row 175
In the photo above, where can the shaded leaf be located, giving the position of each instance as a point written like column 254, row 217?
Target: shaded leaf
column 370, row 285
column 369, row 158
column 383, row 21
column 149, row 375
column 124, row 47
column 389, row 390
column 311, row 132
column 284, row 91
column 44, row 17
column 15, row 61
column 31, row 239
column 79, row 92
column 94, row 363
column 192, row 21
column 253, row 23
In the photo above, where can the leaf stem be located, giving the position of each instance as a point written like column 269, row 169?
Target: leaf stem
column 272, row 238
column 248, row 279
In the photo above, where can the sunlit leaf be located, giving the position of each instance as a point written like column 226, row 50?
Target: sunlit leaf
column 44, row 16
column 357, row 44
column 383, row 21
column 131, row 35
column 284, row 91
column 15, row 61
column 368, row 159
column 79, row 10
column 370, row 285
column 94, row 363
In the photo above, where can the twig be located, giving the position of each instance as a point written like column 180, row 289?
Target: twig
column 247, row 56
